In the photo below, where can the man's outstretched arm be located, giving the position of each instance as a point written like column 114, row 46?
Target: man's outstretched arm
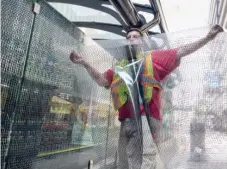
column 192, row 47
column 96, row 75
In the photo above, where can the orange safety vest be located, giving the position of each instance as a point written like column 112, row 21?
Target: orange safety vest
column 120, row 91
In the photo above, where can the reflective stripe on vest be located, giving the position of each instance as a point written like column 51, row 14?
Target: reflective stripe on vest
column 150, row 81
column 120, row 91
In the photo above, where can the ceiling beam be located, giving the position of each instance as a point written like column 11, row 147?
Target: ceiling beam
column 117, row 29
column 97, row 5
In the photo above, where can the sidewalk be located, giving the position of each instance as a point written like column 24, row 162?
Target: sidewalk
column 174, row 154
column 167, row 150
column 215, row 156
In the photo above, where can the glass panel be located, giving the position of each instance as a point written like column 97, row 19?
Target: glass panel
column 56, row 116
column 83, row 14
column 142, row 2
column 100, row 34
column 16, row 27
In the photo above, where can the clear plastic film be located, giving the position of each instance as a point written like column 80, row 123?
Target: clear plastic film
column 54, row 114
column 186, row 131
column 139, row 130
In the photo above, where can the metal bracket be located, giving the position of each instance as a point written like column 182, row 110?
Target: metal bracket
column 36, row 8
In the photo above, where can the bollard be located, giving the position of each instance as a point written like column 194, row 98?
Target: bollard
column 90, row 164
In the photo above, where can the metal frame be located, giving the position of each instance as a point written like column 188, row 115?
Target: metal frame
column 126, row 13
column 116, row 29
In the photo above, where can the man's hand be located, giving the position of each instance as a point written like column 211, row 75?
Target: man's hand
column 75, row 58
column 214, row 31
column 96, row 75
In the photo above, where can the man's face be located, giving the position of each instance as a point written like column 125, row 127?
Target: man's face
column 134, row 37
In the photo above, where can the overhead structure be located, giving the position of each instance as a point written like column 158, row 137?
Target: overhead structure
column 218, row 13
column 126, row 13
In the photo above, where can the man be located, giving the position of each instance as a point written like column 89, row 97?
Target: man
column 163, row 62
